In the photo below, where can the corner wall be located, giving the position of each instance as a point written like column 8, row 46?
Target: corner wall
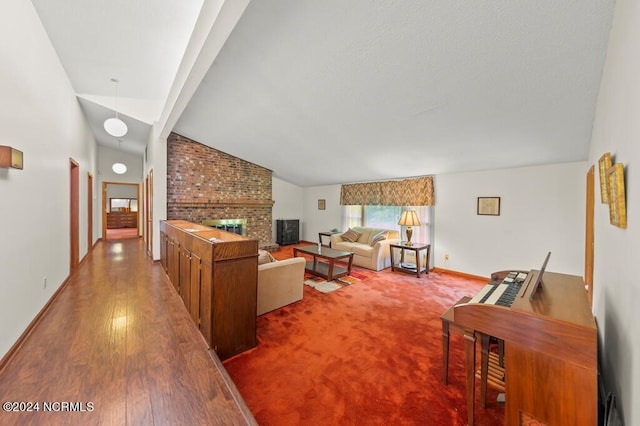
column 616, row 289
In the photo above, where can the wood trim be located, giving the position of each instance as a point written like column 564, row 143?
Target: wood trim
column 589, row 233
column 235, row 393
column 89, row 211
column 74, row 214
column 104, row 204
column 35, row 321
column 460, row 274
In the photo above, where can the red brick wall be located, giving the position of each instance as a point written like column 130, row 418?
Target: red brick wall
column 204, row 183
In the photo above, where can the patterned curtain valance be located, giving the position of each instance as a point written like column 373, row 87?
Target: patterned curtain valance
column 407, row 192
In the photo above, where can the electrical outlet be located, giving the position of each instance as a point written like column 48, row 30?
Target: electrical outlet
column 446, row 257
column 44, row 282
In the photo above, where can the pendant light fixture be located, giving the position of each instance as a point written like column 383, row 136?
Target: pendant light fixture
column 119, row 168
column 114, row 126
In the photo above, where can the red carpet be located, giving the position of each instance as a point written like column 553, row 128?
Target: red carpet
column 369, row 353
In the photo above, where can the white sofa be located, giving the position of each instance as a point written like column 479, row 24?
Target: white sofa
column 376, row 256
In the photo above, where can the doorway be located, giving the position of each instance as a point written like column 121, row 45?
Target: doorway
column 589, row 234
column 89, row 212
column 74, row 213
column 148, row 211
column 120, row 210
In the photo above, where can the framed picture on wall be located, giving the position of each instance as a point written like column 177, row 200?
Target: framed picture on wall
column 617, row 203
column 322, row 204
column 604, row 163
column 489, row 206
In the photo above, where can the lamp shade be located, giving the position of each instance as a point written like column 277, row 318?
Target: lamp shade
column 115, row 127
column 409, row 218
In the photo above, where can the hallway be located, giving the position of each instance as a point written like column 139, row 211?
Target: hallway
column 119, row 346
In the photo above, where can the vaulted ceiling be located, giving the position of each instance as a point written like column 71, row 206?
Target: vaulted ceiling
column 325, row 92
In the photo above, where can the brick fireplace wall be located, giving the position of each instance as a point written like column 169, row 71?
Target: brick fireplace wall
column 204, row 183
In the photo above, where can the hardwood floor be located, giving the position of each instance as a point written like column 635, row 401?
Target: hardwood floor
column 118, row 344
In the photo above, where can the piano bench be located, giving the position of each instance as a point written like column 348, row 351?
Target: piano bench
column 448, row 326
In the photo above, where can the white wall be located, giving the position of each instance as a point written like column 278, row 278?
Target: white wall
column 541, row 209
column 155, row 164
column 321, row 220
column 108, row 156
column 134, row 163
column 121, row 191
column 39, row 115
column 616, row 285
column 288, row 203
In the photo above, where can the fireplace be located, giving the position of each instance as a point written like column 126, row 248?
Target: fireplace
column 237, row 226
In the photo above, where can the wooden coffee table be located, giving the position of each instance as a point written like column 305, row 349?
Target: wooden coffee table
column 324, row 261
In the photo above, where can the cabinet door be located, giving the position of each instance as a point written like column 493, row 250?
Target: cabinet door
column 163, row 250
column 195, row 277
column 185, row 276
column 173, row 263
column 234, row 306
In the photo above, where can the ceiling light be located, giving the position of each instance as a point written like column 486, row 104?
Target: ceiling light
column 119, row 168
column 115, row 126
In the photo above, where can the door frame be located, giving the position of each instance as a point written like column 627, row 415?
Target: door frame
column 104, row 205
column 589, row 233
column 74, row 214
column 89, row 212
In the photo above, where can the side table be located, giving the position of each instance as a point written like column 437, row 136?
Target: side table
column 326, row 234
column 410, row 268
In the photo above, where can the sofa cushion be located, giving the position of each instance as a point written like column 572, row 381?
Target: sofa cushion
column 382, row 235
column 351, row 235
column 265, row 257
column 355, row 248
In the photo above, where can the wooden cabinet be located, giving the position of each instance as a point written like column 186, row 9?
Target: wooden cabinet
column 122, row 220
column 215, row 273
column 287, row 231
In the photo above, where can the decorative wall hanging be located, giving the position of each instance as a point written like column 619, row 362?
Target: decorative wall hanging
column 617, row 204
column 489, row 206
column 322, row 204
column 603, row 166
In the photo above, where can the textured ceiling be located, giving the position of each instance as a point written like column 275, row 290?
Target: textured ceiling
column 324, row 92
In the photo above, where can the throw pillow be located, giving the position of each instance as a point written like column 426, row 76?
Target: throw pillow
column 351, row 235
column 265, row 257
column 383, row 235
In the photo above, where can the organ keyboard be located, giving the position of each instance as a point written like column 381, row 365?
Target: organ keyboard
column 550, row 340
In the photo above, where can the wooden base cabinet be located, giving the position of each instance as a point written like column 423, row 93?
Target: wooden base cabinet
column 215, row 273
column 117, row 220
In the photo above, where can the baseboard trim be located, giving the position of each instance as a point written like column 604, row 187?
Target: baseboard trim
column 460, row 274
column 35, row 321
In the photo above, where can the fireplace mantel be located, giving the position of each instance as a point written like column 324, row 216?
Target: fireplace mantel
column 222, row 203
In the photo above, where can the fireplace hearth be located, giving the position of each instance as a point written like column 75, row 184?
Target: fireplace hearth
column 237, row 226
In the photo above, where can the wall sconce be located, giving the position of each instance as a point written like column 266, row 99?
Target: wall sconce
column 10, row 157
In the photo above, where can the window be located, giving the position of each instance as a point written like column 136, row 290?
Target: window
column 123, row 205
column 351, row 216
column 387, row 217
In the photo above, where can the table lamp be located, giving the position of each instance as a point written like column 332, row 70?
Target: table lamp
column 409, row 218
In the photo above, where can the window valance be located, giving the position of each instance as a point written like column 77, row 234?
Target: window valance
column 407, row 192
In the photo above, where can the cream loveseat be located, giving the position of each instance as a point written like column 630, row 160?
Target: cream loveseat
column 374, row 256
column 280, row 282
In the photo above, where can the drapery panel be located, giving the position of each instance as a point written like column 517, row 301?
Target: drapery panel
column 406, row 192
